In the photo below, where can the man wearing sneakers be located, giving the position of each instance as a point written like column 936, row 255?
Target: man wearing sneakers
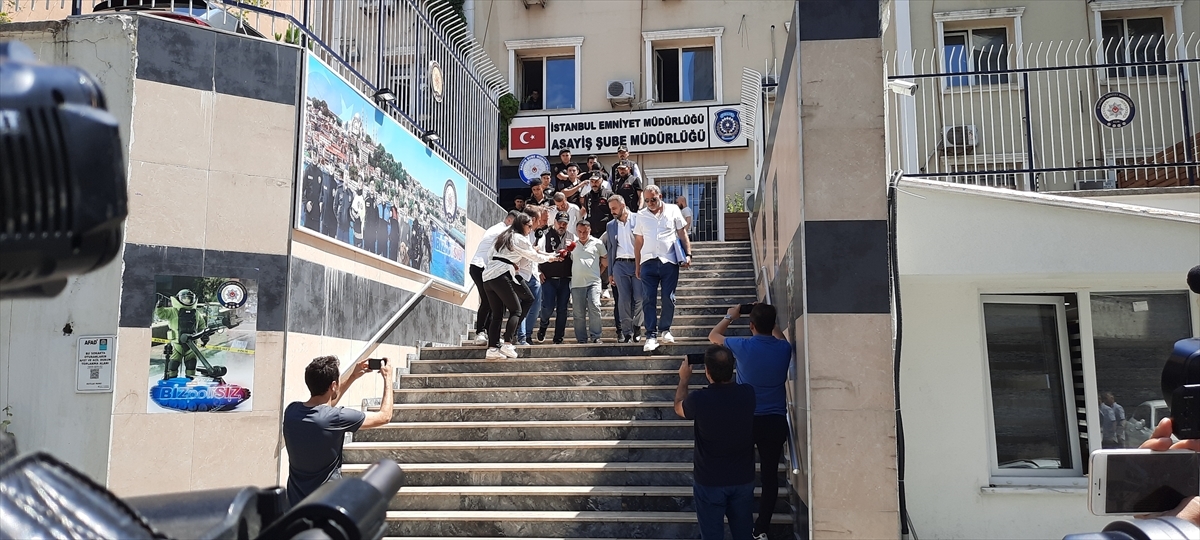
column 661, row 248
column 556, row 280
column 478, row 263
column 588, row 261
column 762, row 360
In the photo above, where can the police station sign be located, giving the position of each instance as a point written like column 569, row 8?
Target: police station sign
column 653, row 130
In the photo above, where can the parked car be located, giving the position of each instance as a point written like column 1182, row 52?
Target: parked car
column 199, row 12
column 1141, row 423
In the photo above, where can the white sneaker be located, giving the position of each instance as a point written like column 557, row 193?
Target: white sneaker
column 650, row 345
column 481, row 338
column 760, row 536
column 508, row 350
column 493, row 353
column 666, row 337
column 607, row 294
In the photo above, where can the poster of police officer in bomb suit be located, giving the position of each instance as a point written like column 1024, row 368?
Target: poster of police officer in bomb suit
column 202, row 344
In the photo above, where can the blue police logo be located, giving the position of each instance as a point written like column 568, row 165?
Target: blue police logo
column 727, row 124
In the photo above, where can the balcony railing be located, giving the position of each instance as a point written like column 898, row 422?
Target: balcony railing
column 1048, row 116
column 373, row 44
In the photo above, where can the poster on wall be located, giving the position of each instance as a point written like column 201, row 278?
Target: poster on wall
column 367, row 182
column 202, row 339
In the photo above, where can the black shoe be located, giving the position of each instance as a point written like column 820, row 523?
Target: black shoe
column 558, row 341
column 625, row 338
column 541, row 335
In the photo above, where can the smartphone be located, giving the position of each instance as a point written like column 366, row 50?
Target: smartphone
column 695, row 358
column 745, row 309
column 376, row 364
column 1129, row 482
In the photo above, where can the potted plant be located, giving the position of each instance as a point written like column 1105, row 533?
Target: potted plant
column 737, row 219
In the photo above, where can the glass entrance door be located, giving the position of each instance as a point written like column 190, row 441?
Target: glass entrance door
column 702, row 197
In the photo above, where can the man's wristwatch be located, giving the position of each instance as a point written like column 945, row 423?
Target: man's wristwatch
column 728, row 318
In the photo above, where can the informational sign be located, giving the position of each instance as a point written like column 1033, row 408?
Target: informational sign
column 653, row 130
column 94, row 364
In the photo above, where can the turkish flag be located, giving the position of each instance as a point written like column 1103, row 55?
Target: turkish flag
column 527, row 138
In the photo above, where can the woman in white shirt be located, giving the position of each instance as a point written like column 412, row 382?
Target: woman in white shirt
column 505, row 288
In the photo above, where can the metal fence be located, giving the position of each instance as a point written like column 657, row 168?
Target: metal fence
column 397, row 45
column 1048, row 116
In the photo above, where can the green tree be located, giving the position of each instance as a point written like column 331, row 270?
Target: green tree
column 508, row 110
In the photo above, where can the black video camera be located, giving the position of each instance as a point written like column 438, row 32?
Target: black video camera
column 62, row 178
column 1181, row 378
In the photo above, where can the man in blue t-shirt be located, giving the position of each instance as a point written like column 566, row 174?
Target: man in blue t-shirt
column 763, row 360
column 723, row 459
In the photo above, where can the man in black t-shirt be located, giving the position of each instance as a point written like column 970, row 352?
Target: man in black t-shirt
column 556, row 279
column 625, row 184
column 723, row 422
column 538, row 192
column 558, row 171
column 313, row 430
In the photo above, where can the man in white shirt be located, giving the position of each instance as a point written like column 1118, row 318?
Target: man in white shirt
column 661, row 249
column 686, row 210
column 561, row 205
column 478, row 262
column 618, row 240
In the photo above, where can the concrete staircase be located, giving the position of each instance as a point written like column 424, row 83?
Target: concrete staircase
column 566, row 441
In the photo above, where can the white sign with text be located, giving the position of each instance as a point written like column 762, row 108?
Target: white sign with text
column 652, row 130
column 94, row 364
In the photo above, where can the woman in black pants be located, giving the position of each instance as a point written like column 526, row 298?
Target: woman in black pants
column 504, row 287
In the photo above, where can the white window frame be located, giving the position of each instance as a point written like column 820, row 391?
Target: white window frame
column 697, row 37
column 981, row 18
column 718, row 171
column 1034, row 477
column 1100, row 7
column 544, row 48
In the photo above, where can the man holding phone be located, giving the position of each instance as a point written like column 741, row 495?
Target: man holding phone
column 314, row 430
column 1189, row 509
column 763, row 360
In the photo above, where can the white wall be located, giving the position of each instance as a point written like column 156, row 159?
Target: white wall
column 1182, row 202
column 955, row 246
column 37, row 360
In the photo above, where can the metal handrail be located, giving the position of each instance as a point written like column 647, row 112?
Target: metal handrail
column 387, row 328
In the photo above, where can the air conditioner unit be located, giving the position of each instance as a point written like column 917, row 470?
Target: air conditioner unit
column 620, row 91
column 959, row 140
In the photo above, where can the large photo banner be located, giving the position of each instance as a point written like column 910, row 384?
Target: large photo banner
column 368, row 182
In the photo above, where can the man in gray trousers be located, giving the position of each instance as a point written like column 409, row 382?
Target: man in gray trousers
column 618, row 238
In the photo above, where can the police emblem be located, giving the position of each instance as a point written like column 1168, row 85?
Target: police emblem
column 450, row 199
column 727, row 124
column 232, row 294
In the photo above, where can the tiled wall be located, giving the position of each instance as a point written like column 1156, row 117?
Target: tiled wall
column 828, row 268
column 211, row 162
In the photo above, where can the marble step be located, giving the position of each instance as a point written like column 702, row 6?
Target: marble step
column 742, row 272
column 548, row 378
column 682, row 346
column 550, row 411
column 566, row 524
column 525, row 394
column 529, row 430
column 556, row 498
column 708, row 313
column 540, row 474
column 688, row 280
column 609, row 331
column 536, row 451
column 526, row 363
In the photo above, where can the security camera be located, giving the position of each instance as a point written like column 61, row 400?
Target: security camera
column 904, row 88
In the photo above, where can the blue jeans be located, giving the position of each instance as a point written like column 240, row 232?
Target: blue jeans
column 629, row 297
column 556, row 294
column 535, row 288
column 713, row 504
column 585, row 305
column 655, row 273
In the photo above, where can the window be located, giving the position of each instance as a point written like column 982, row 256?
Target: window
column 547, row 83
column 683, row 66
column 1134, row 41
column 1132, row 335
column 1030, row 381
column 544, row 73
column 684, row 74
column 978, row 49
column 979, row 40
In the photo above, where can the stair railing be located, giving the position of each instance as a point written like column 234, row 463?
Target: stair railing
column 391, row 324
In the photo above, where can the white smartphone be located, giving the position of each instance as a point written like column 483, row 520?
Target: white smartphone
column 1130, row 482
